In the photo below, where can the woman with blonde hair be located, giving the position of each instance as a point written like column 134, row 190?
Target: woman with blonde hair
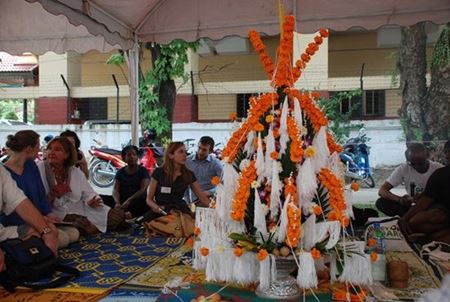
column 170, row 181
column 24, row 148
column 72, row 197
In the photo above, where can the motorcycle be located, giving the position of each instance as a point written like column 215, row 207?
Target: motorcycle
column 355, row 156
column 105, row 162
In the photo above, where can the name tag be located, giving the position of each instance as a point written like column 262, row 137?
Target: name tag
column 166, row 190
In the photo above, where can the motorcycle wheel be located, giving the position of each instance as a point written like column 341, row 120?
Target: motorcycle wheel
column 369, row 181
column 99, row 179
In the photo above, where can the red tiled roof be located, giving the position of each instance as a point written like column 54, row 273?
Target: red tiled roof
column 9, row 63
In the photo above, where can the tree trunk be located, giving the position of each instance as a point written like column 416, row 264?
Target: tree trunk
column 413, row 67
column 166, row 91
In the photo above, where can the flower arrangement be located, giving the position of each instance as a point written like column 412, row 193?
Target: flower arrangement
column 281, row 193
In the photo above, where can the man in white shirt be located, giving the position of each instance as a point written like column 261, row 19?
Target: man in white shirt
column 413, row 174
column 12, row 199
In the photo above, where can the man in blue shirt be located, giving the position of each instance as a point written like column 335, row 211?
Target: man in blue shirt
column 205, row 166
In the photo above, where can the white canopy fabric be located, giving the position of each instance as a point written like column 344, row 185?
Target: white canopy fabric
column 81, row 25
column 164, row 20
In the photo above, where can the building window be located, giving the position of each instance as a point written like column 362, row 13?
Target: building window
column 374, row 105
column 242, row 104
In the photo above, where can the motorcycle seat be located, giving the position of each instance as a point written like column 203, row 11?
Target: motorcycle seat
column 110, row 151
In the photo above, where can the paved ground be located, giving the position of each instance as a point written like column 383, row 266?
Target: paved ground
column 364, row 195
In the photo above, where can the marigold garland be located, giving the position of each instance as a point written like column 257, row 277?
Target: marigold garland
column 284, row 75
column 336, row 196
column 315, row 253
column 296, row 152
column 260, row 48
column 332, row 145
column 232, row 116
column 314, row 114
column 373, row 256
column 354, row 186
column 197, row 231
column 371, row 242
column 293, row 226
column 204, row 251
column 239, row 203
column 258, row 106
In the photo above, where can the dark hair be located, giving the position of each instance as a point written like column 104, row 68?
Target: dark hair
column 127, row 149
column 169, row 167
column 415, row 148
column 68, row 147
column 21, row 140
column 70, row 133
column 207, row 140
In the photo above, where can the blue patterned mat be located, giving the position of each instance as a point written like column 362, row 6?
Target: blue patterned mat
column 108, row 260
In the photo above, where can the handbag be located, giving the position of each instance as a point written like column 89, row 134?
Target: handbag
column 81, row 223
column 30, row 261
column 175, row 224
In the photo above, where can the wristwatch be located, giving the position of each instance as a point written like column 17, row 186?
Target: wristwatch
column 45, row 231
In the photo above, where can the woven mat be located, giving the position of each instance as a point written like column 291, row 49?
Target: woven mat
column 24, row 295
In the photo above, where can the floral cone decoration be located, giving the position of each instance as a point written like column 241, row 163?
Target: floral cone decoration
column 282, row 153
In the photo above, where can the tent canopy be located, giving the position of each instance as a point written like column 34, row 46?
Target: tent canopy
column 120, row 22
column 80, row 25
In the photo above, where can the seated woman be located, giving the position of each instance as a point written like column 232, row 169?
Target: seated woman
column 24, row 148
column 81, row 159
column 169, row 182
column 131, row 184
column 430, row 218
column 69, row 192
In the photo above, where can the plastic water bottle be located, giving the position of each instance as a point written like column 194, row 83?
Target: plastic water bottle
column 379, row 266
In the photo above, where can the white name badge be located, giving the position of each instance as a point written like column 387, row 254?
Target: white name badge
column 166, row 190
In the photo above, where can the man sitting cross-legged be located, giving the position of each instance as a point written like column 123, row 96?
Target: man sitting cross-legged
column 430, row 218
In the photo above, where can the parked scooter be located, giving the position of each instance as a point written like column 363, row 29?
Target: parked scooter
column 355, row 156
column 105, row 162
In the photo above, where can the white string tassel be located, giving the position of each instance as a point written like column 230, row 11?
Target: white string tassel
column 335, row 165
column 309, row 233
column 248, row 147
column 334, row 229
column 213, row 266
column 283, row 221
column 322, row 152
column 264, row 273
column 259, row 219
column 273, row 268
column 298, row 113
column 306, row 277
column 260, row 159
column 227, row 264
column 275, row 201
column 349, row 202
column 270, row 147
column 246, row 269
column 230, row 179
column 306, row 184
column 357, row 269
column 198, row 262
column 284, row 137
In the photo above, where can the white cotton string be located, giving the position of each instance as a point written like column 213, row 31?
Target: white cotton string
column 283, row 221
column 334, row 228
column 306, row 277
column 306, row 184
column 275, row 192
column 246, row 268
column 322, row 152
column 284, row 137
column 348, row 196
column 264, row 273
column 309, row 233
column 298, row 113
column 230, row 180
column 273, row 268
column 217, row 292
column 270, row 147
column 248, row 147
column 259, row 219
column 259, row 164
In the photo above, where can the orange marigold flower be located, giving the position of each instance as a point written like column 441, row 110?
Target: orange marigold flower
column 215, row 180
column 318, row 40
column 371, row 242
column 259, row 127
column 238, row 252
column 315, row 253
column 269, row 118
column 317, row 210
column 274, row 155
column 204, row 251
column 262, row 254
column 324, row 32
column 373, row 256
column 354, row 186
column 310, row 151
column 232, row 116
column 315, row 95
column 190, row 241
column 197, row 231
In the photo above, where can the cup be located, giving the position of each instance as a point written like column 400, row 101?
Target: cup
column 398, row 273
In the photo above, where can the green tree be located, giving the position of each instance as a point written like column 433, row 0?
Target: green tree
column 340, row 124
column 157, row 91
column 425, row 111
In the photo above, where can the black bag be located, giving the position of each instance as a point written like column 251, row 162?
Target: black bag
column 29, row 261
